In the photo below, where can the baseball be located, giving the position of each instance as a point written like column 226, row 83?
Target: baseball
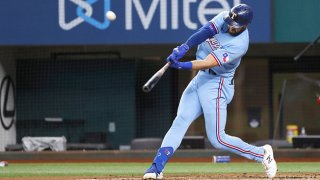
column 111, row 15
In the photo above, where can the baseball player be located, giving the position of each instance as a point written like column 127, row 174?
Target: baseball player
column 221, row 44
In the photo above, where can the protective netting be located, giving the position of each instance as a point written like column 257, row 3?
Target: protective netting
column 88, row 98
column 93, row 100
column 300, row 106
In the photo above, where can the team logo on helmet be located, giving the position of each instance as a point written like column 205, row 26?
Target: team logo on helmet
column 233, row 15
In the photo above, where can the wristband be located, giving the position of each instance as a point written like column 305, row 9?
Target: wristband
column 182, row 65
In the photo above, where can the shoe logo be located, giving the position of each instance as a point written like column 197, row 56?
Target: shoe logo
column 159, row 154
column 84, row 13
column 167, row 152
column 269, row 159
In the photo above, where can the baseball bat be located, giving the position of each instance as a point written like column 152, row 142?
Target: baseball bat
column 297, row 57
column 147, row 87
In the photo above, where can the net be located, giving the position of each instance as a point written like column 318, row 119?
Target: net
column 91, row 100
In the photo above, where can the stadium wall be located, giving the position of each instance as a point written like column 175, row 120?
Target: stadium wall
column 7, row 99
column 152, row 122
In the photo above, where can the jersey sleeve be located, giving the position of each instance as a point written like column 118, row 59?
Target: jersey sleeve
column 217, row 21
column 224, row 56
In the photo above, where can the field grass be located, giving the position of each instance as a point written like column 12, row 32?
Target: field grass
column 137, row 169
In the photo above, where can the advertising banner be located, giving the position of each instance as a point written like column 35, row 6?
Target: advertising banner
column 7, row 109
column 83, row 22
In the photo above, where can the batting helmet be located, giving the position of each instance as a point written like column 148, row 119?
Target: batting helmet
column 239, row 15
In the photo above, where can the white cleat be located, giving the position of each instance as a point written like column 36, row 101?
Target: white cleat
column 268, row 162
column 152, row 175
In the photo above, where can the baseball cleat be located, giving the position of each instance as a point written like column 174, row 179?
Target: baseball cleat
column 152, row 173
column 149, row 176
column 268, row 162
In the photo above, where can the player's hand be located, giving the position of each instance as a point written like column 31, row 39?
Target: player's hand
column 178, row 53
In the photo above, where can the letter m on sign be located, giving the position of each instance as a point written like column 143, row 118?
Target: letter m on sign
column 146, row 16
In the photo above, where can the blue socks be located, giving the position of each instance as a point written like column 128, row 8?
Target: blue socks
column 162, row 157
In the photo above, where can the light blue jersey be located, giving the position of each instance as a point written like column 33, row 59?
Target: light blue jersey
column 226, row 49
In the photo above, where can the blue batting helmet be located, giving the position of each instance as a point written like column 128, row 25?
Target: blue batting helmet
column 239, row 15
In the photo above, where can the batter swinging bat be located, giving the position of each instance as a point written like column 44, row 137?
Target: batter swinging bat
column 147, row 87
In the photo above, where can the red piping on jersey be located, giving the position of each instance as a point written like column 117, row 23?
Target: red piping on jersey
column 218, row 126
column 215, row 58
column 215, row 27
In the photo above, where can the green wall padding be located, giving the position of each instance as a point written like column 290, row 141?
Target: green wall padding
column 296, row 20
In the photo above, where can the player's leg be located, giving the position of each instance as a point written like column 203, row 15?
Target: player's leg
column 214, row 102
column 189, row 109
column 215, row 128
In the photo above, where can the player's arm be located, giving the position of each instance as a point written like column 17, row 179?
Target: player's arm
column 206, row 63
column 215, row 58
column 205, row 32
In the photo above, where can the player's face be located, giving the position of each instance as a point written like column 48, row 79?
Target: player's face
column 234, row 31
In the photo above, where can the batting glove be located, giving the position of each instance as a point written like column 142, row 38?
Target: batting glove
column 178, row 53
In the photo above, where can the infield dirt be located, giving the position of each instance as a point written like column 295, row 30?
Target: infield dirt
column 227, row 176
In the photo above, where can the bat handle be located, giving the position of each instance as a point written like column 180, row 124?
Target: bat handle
column 164, row 68
column 167, row 65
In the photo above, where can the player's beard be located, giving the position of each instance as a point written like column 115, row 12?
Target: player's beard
column 236, row 31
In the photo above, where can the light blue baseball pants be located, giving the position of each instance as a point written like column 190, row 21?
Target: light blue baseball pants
column 209, row 95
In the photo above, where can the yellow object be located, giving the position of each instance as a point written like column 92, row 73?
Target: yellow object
column 292, row 130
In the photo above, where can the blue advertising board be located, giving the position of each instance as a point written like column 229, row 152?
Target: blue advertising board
column 83, row 22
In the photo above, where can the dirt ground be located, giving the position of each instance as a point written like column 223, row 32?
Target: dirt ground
column 229, row 176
